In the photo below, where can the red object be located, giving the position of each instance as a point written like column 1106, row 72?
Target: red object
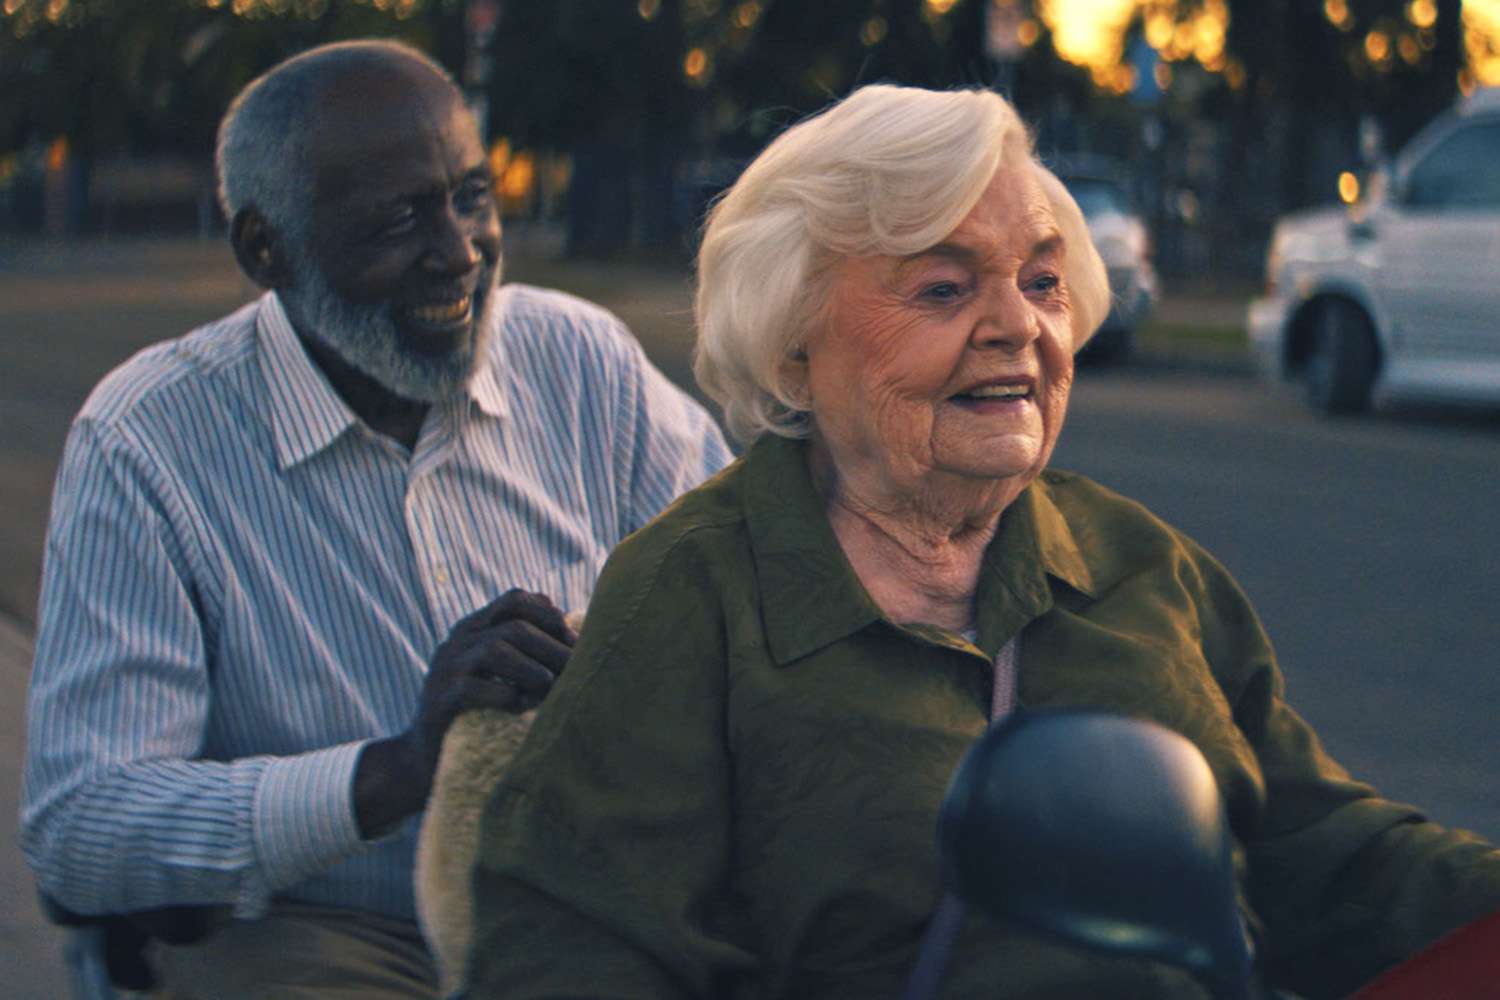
column 1465, row 965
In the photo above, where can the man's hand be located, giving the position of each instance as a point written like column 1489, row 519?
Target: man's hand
column 506, row 656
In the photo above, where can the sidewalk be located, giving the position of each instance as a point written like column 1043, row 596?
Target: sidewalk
column 31, row 950
column 1198, row 329
column 1203, row 306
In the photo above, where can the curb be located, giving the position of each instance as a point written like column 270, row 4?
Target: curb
column 16, row 645
column 1167, row 361
column 1196, row 362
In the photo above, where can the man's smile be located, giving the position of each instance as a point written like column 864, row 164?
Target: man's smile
column 442, row 313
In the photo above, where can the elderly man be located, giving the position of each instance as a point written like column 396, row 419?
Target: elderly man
column 263, row 531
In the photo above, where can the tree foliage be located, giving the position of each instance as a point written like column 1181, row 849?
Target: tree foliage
column 637, row 89
column 151, row 75
column 1350, row 57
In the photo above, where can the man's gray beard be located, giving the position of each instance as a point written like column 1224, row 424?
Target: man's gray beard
column 366, row 337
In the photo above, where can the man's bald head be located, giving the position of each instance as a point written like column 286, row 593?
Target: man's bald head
column 262, row 160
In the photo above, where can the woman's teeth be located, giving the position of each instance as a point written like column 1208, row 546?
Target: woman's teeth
column 999, row 392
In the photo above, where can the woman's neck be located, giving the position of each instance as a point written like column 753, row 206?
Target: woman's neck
column 918, row 552
column 914, row 572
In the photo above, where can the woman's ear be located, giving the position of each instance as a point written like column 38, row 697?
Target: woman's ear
column 257, row 249
column 795, row 377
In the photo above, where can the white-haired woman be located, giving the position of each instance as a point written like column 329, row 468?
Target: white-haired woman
column 733, row 788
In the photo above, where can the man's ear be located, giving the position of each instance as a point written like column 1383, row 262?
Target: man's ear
column 258, row 249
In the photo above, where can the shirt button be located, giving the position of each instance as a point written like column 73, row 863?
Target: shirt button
column 441, row 576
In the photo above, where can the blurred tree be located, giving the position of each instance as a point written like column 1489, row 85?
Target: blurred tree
column 640, row 91
column 805, row 57
column 1321, row 66
column 1319, row 80
column 136, row 77
column 1280, row 93
column 607, row 82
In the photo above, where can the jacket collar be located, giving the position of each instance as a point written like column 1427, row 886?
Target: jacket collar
column 811, row 597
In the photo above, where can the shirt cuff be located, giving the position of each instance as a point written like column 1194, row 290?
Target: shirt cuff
column 303, row 816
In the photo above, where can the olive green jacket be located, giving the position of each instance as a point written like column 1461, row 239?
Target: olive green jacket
column 732, row 790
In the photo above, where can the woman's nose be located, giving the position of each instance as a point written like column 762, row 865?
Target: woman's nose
column 1008, row 320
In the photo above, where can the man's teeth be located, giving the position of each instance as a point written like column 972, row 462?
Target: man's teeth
column 442, row 313
column 1000, row 392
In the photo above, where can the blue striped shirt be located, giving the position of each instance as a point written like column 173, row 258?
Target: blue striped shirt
column 243, row 584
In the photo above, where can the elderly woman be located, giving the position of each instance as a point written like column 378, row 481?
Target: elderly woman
column 733, row 788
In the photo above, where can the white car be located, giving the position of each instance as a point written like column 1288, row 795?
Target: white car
column 1119, row 233
column 1398, row 295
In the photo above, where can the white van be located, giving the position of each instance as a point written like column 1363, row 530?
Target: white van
column 1398, row 295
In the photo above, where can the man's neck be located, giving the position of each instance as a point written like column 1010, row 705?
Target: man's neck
column 383, row 411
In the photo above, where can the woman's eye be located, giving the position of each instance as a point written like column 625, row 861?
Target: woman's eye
column 942, row 291
column 1044, row 283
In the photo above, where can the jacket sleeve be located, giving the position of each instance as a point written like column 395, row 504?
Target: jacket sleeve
column 604, row 851
column 118, row 812
column 1345, row 882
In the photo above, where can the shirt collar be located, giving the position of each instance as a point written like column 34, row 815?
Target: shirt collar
column 811, row 596
column 484, row 386
column 306, row 413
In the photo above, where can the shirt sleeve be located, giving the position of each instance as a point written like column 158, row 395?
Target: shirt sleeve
column 1346, row 883
column 604, row 852
column 674, row 442
column 119, row 813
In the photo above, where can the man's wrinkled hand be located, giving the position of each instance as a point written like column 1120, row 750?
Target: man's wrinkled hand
column 505, row 656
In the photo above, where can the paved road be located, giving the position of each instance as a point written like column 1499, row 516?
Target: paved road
column 1368, row 546
column 30, row 948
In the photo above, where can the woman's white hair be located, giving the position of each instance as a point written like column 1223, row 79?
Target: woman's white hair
column 888, row 170
column 260, row 159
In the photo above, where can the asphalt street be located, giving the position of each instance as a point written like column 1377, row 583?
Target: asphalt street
column 1368, row 546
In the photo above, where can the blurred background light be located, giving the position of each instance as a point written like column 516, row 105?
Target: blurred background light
column 1348, row 188
column 1337, row 12
column 1481, row 20
column 1089, row 32
column 1422, row 13
column 746, row 14
column 695, row 66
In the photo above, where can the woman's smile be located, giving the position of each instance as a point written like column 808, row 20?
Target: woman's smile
column 998, row 397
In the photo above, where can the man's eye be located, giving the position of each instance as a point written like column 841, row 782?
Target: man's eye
column 475, row 193
column 399, row 223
